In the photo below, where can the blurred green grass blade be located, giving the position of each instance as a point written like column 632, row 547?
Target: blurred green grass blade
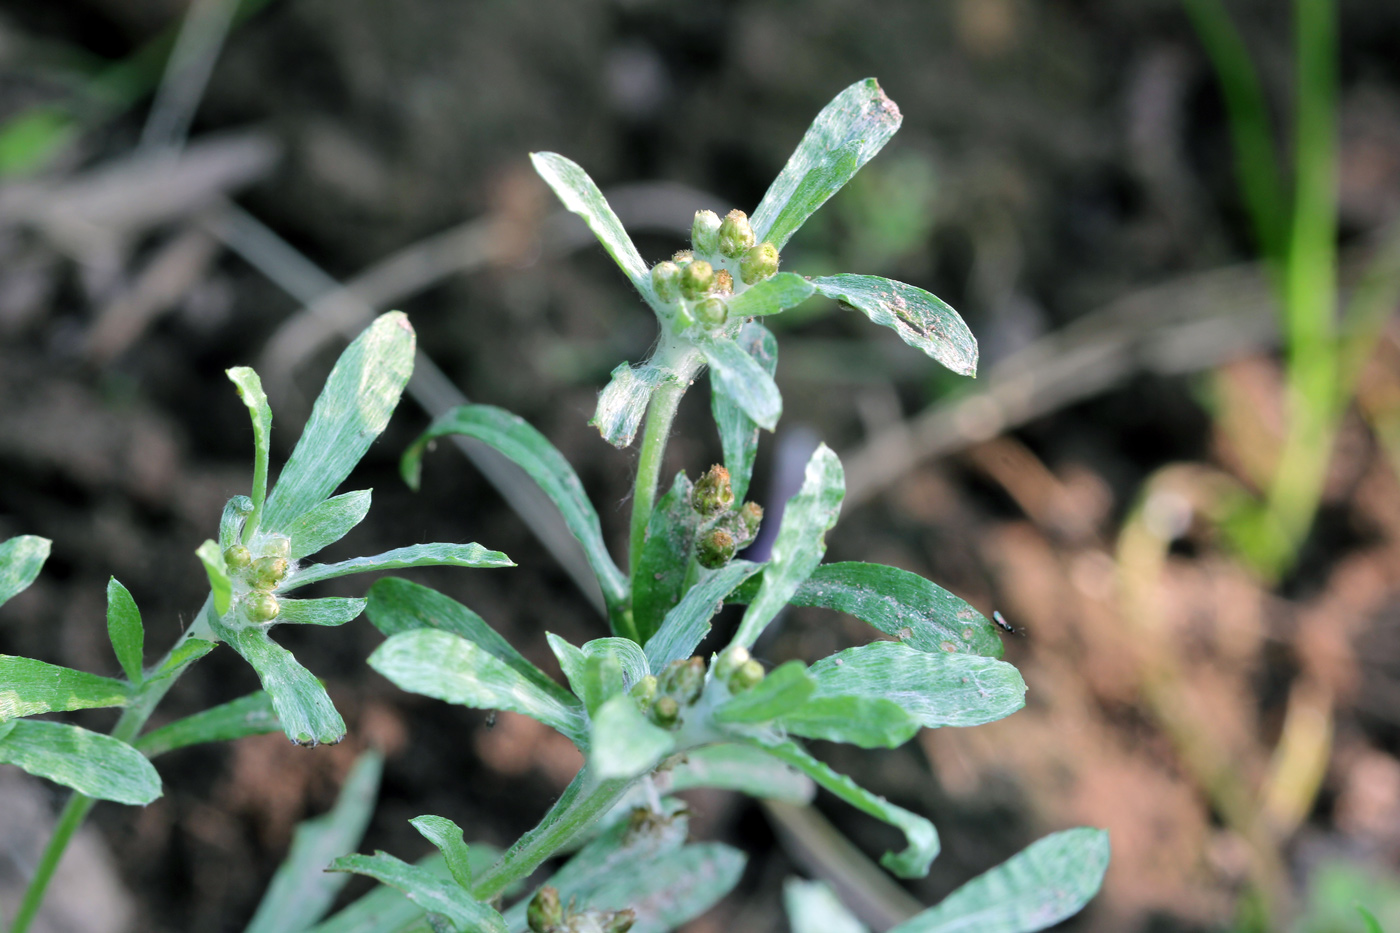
column 1372, row 924
column 846, row 134
column 937, row 689
column 922, row 320
column 624, row 400
column 332, row 610
column 354, row 406
column 917, row 612
column 738, row 433
column 864, row 721
column 812, row 907
column 325, row 524
column 425, row 888
column 741, row 379
column 93, row 765
column 744, row 768
column 447, row 837
column 800, row 543
column 303, row 707
column 527, row 448
column 416, row 555
column 782, row 291
column 450, row 668
column 302, row 890
column 1050, row 880
column 21, row 559
column 250, row 390
column 33, row 137
column 247, row 715
column 624, row 743
column 784, row 689
column 125, row 631
column 667, row 549
column 687, row 625
column 29, row 687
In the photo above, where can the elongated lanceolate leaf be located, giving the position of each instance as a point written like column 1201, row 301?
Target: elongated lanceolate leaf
column 250, row 390
column 687, row 625
column 738, row 433
column 623, row 401
column 528, row 449
column 921, row 319
column 302, row 890
column 427, row 889
column 742, row 380
column 1050, row 880
column 782, row 291
column 868, row 722
column 581, row 196
column 812, row 907
column 416, row 555
column 91, row 764
column 397, row 606
column 923, row 846
column 673, row 888
column 247, row 715
column 745, row 768
column 21, row 559
column 800, row 543
column 354, row 406
column 784, row 689
column 125, row 631
column 325, row 524
column 625, row 743
column 385, row 910
column 919, row 613
column 448, row 667
column 333, row 610
column 303, row 707
column 847, row 133
column 447, row 837
column 29, row 687
column 936, row 689
column 666, row 551
column 220, row 587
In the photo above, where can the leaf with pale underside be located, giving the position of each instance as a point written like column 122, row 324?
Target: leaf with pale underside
column 667, row 548
column 813, row 907
column 332, row 610
column 303, row 707
column 447, row 837
column 847, row 133
column 623, row 401
column 29, row 687
column 921, row 319
column 738, row 433
column 247, row 715
column 687, row 625
column 325, row 524
column 91, row 764
column 21, row 559
column 124, row 630
column 416, row 555
column 742, row 379
column 673, row 888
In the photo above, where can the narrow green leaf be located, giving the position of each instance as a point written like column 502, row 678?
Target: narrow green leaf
column 21, row 559
column 782, row 291
column 869, row 722
column 234, row 520
column 91, row 764
column 332, row 610
column 687, row 625
column 125, row 631
column 922, row 320
column 416, row 555
column 397, row 606
column 601, row 669
column 742, row 380
column 247, row 715
column 919, row 613
column 250, row 390
column 325, row 524
column 184, row 654
column 923, row 846
column 530, row 450
column 29, row 687
column 784, row 689
column 359, row 396
column 1372, row 924
column 623, row 401
column 745, row 768
column 674, row 888
column 581, row 196
column 426, row 889
column 937, row 689
column 1050, row 880
column 447, row 837
column 738, row 433
column 800, row 543
column 666, row 552
column 385, row 910
column 812, row 907
column 448, row 667
column 212, row 556
column 303, row 707
column 847, row 133
column 625, row 743
column 302, row 890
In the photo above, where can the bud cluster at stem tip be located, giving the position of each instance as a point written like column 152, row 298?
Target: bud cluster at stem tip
column 261, row 575
column 696, row 284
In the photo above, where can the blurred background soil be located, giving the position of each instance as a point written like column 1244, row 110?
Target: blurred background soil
column 1063, row 177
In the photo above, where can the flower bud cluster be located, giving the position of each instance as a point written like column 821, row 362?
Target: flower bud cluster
column 260, row 576
column 547, row 914
column 679, row 685
column 723, row 530
column 697, row 282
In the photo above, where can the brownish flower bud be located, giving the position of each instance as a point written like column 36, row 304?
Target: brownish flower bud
column 712, row 493
column 545, row 913
column 716, row 549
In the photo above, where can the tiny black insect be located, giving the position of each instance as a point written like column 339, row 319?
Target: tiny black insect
column 1005, row 625
column 491, row 719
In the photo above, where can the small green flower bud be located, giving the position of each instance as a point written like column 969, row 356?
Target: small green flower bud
column 619, row 921
column 665, row 278
column 665, row 711
column 267, row 572
column 759, row 263
column 712, row 493
column 724, row 284
column 260, row 607
column 716, row 549
column 278, row 546
column 644, row 690
column 696, row 279
column 711, row 312
column 704, row 233
column 682, row 256
column 689, row 680
column 545, row 912
column 746, row 676
column 735, row 234
column 729, row 661
column 237, row 557
column 752, row 516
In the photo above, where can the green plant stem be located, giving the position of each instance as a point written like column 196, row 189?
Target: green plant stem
column 132, row 719
column 660, row 414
